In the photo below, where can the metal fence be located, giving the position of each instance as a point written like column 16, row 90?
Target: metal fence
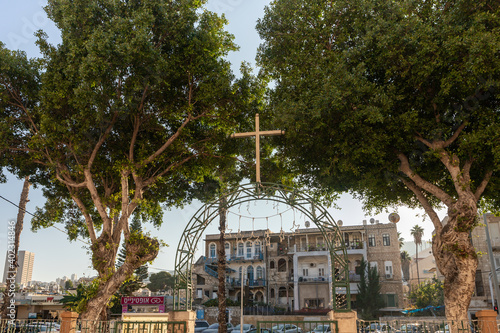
column 82, row 326
column 326, row 326
column 28, row 326
column 413, row 325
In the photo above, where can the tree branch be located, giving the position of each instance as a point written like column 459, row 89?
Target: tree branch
column 106, row 221
column 425, row 204
column 480, row 189
column 83, row 209
column 101, row 141
column 422, row 183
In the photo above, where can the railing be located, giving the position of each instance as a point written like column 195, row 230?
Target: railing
column 29, row 326
column 314, row 279
column 211, row 271
column 327, row 326
column 130, row 327
column 413, row 325
column 251, row 283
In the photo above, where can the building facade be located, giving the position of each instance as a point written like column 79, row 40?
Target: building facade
column 24, row 273
column 292, row 270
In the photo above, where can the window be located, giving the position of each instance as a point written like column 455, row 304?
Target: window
column 321, row 272
column 250, row 273
column 200, row 280
column 391, row 300
column 240, row 270
column 240, row 250
column 199, row 293
column 249, row 250
column 257, row 249
column 271, row 264
column 260, row 272
column 272, row 292
column 386, row 240
column 479, row 283
column 388, row 269
column 227, row 249
column 371, row 240
column 282, row 265
column 282, row 292
column 305, row 272
column 314, row 303
column 212, row 250
column 374, row 264
column 320, row 244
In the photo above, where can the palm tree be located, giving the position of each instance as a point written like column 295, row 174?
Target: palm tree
column 417, row 232
column 401, row 240
column 405, row 264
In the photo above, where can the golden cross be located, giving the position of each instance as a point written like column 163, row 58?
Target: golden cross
column 257, row 135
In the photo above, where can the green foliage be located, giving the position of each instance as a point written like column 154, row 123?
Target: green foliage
column 359, row 86
column 427, row 293
column 68, row 284
column 78, row 302
column 368, row 300
column 161, row 281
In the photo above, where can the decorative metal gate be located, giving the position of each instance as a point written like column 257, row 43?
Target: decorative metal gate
column 299, row 200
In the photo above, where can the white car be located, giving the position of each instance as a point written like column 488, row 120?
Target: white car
column 321, row 329
column 246, row 328
column 286, row 328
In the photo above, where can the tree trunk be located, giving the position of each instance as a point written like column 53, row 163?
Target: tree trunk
column 221, row 267
column 416, row 262
column 140, row 249
column 17, row 234
column 456, row 258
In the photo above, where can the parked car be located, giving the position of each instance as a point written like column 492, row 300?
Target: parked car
column 262, row 330
column 214, row 328
column 200, row 326
column 378, row 328
column 286, row 328
column 246, row 328
column 446, row 329
column 321, row 329
column 410, row 328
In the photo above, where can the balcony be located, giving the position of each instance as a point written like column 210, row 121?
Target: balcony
column 236, row 283
column 313, row 279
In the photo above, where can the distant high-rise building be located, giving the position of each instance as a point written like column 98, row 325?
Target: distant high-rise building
column 25, row 260
column 74, row 277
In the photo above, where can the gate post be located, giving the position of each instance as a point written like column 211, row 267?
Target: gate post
column 68, row 321
column 487, row 320
column 346, row 321
column 188, row 316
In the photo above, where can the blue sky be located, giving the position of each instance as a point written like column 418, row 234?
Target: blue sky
column 55, row 256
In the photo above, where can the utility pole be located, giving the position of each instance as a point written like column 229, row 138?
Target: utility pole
column 492, row 263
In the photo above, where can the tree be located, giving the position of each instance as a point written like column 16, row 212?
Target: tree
column 13, row 248
column 369, row 300
column 405, row 265
column 68, row 285
column 121, row 117
column 160, row 281
column 417, row 232
column 396, row 102
column 401, row 240
column 428, row 293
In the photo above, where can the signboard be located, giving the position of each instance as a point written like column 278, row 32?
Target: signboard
column 127, row 302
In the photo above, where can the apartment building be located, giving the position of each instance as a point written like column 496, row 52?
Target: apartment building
column 292, row 270
column 25, row 260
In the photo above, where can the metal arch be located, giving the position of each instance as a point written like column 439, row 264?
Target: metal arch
column 299, row 200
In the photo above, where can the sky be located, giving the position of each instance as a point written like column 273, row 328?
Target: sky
column 56, row 257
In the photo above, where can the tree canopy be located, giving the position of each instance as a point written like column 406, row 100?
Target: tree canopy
column 396, row 102
column 126, row 114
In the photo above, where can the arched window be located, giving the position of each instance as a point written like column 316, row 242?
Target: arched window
column 282, row 265
column 272, row 292
column 250, row 276
column 227, row 249
column 257, row 249
column 240, row 270
column 213, row 249
column 249, row 250
column 282, row 292
column 260, row 272
column 271, row 264
column 240, row 250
